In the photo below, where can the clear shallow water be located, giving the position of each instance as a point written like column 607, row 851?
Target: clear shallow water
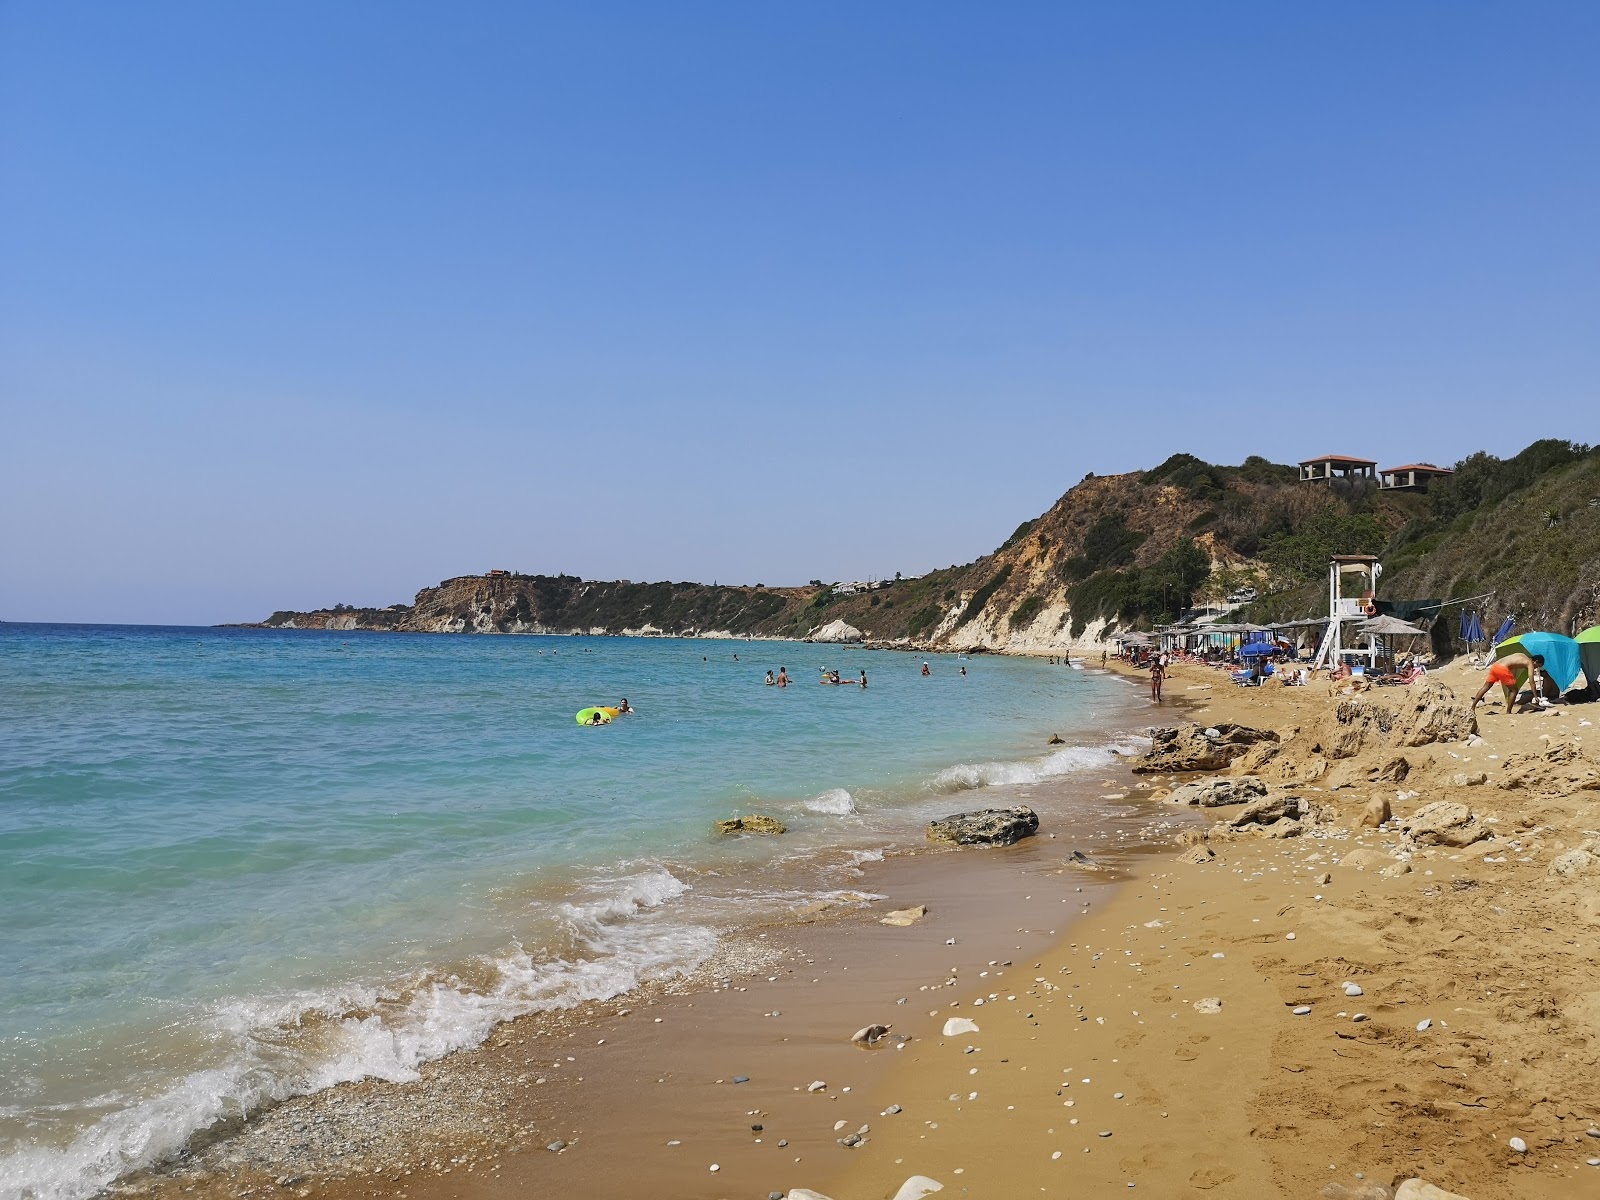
column 240, row 864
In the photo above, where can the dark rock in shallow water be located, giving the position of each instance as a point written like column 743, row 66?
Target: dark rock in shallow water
column 756, row 824
column 986, row 827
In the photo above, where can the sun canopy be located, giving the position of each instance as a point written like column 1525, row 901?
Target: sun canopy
column 1390, row 627
column 1561, row 658
column 1589, row 652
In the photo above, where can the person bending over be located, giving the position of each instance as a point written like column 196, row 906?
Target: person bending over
column 1504, row 672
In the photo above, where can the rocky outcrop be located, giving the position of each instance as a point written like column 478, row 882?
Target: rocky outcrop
column 1559, row 770
column 752, row 824
column 1433, row 713
column 1444, row 823
column 1199, row 747
column 985, row 827
column 1430, row 714
column 1214, row 793
column 836, row 631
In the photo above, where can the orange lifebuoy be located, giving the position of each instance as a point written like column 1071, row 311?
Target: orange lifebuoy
column 1370, row 609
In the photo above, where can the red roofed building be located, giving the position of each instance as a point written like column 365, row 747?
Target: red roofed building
column 1337, row 466
column 1413, row 477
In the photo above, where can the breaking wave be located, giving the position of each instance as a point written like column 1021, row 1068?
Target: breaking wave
column 1069, row 760
column 292, row 1045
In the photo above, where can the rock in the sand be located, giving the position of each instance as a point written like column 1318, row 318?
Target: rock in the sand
column 902, row 917
column 1421, row 1189
column 1083, row 862
column 556, row 1147
column 1559, row 770
column 1572, row 864
column 803, row 1194
column 1267, row 810
column 1433, row 713
column 869, row 1035
column 1214, row 793
column 1463, row 779
column 1393, row 771
column 917, row 1187
column 959, row 1025
column 752, row 824
column 1396, row 869
column 1208, row 1005
column 985, row 827
column 1444, row 823
column 1199, row 855
column 1363, row 858
column 1056, row 740
column 816, row 1085
column 1377, row 812
column 1191, row 748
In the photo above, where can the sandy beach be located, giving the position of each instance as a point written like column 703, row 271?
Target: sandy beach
column 1296, row 1006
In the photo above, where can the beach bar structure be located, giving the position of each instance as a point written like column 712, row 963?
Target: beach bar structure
column 1413, row 477
column 1329, row 467
column 1352, row 600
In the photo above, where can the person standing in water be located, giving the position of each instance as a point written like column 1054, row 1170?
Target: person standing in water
column 1158, row 674
column 863, row 679
column 963, row 670
column 624, row 707
column 771, row 682
column 925, row 670
column 783, row 676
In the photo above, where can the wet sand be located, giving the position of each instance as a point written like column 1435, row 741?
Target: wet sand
column 1092, row 1068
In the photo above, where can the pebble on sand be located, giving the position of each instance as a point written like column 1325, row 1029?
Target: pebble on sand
column 1302, row 1010
column 1517, row 1144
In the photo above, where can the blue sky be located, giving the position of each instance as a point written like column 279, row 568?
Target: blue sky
column 307, row 303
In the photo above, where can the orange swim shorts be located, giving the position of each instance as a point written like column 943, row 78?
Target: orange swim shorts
column 1502, row 674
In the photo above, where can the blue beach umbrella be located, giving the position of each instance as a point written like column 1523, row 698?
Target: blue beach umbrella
column 1256, row 649
column 1504, row 631
column 1471, row 627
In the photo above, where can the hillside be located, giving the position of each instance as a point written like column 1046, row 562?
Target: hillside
column 1119, row 551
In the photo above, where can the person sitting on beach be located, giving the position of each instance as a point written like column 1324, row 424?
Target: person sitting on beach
column 1504, row 672
column 783, row 676
column 771, row 682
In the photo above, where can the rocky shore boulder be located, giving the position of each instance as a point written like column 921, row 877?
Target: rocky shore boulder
column 985, row 827
column 1433, row 713
column 836, row 631
column 1199, row 747
column 1444, row 823
column 1559, row 770
column 752, row 824
column 1214, row 793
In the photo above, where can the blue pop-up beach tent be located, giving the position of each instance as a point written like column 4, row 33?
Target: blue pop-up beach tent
column 1562, row 661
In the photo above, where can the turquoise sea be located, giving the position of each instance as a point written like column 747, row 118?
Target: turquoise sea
column 238, row 865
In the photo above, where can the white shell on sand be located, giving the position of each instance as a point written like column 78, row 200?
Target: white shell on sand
column 916, row 1188
column 957, row 1025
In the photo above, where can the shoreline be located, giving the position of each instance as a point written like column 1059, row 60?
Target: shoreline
column 1478, row 1024
column 481, row 1125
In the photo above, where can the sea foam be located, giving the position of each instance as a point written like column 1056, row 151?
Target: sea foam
column 293, row 1045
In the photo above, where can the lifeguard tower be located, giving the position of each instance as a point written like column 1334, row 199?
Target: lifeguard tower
column 1352, row 598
